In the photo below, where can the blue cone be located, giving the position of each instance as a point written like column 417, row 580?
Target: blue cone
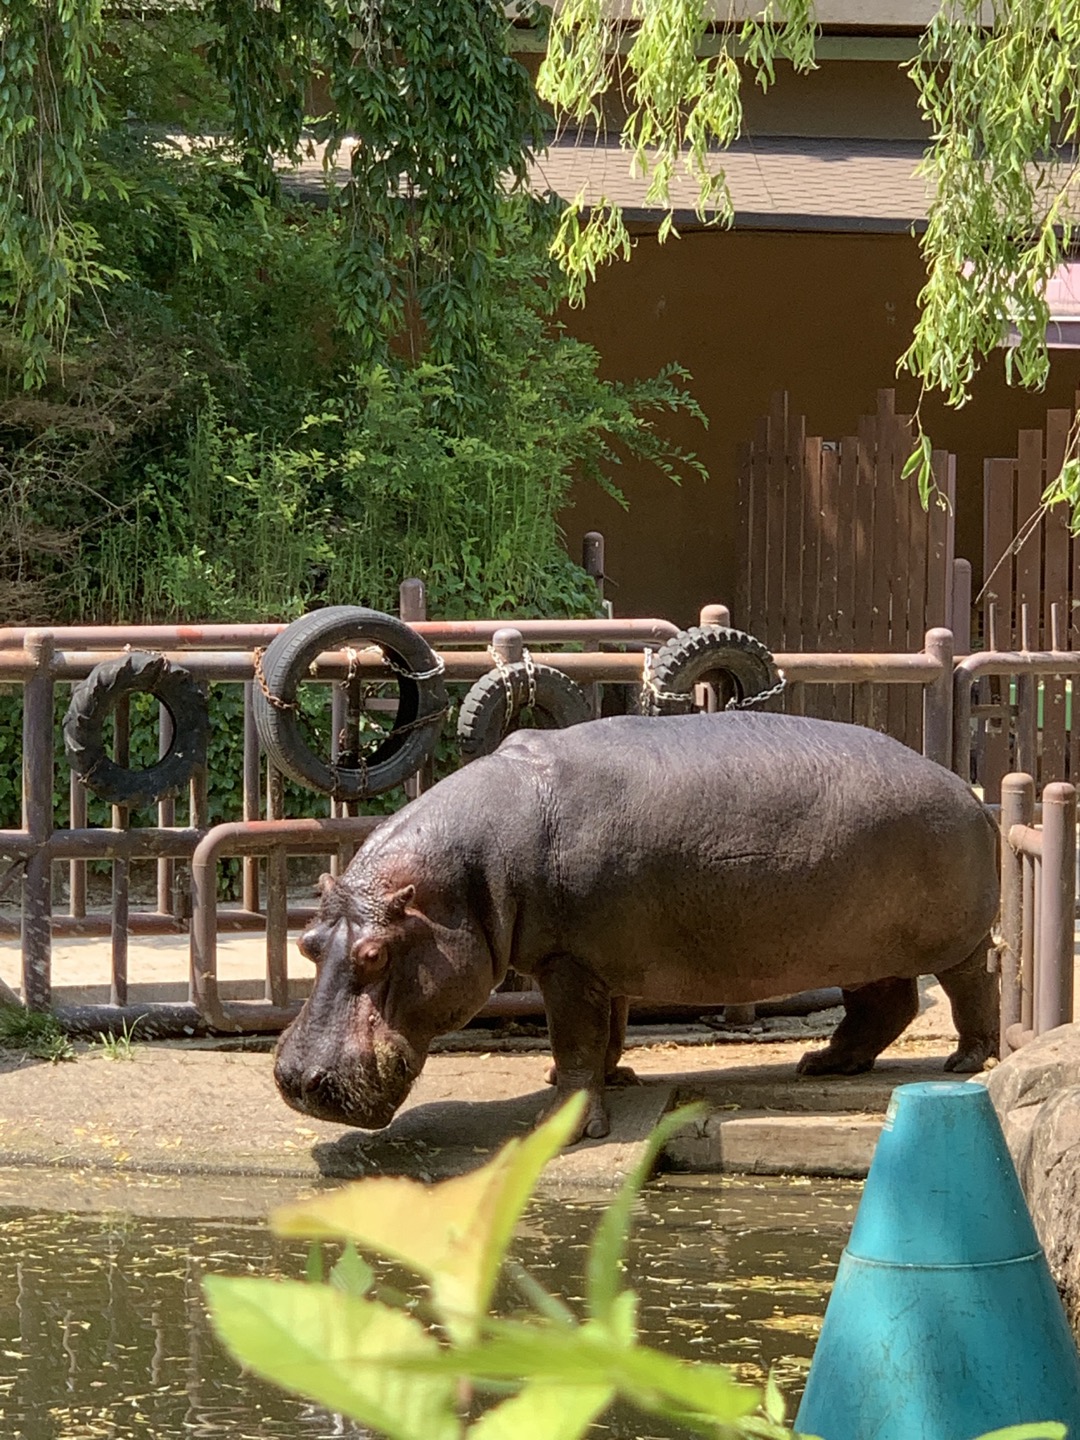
column 943, row 1322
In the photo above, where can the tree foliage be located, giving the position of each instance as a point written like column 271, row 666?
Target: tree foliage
column 997, row 85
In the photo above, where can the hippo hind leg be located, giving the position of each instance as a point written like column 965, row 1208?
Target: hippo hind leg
column 973, row 994
column 875, row 1015
column 614, row 1073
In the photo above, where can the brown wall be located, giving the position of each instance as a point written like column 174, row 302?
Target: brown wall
column 823, row 316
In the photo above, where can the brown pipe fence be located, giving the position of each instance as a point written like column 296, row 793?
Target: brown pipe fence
column 1038, row 909
column 43, row 659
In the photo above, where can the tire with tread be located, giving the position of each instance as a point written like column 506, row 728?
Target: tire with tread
column 98, row 695
column 691, row 655
column 421, row 703
column 485, row 718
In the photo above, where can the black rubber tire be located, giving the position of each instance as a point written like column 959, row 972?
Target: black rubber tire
column 97, row 696
column 707, row 650
column 408, row 743
column 485, row 718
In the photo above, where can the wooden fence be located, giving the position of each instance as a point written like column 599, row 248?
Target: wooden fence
column 837, row 554
column 1030, row 600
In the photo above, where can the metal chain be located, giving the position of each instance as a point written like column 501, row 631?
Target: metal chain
column 761, row 697
column 507, row 686
column 361, row 768
column 275, row 700
column 649, row 687
column 530, row 676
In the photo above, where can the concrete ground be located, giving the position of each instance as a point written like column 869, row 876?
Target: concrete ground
column 190, row 1118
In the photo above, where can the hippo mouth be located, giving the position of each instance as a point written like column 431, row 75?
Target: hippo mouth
column 366, row 1095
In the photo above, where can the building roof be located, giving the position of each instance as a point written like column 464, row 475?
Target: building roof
column 776, row 183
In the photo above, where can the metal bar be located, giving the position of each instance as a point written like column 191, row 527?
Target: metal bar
column 1021, row 662
column 151, row 1021
column 1054, row 990
column 311, row 836
column 121, row 867
column 937, row 698
column 145, row 843
column 77, row 868
column 150, row 922
column 166, row 868
column 882, row 668
column 251, row 796
column 1027, row 725
column 228, row 637
column 277, row 897
column 1027, row 942
column 1017, row 813
column 37, row 782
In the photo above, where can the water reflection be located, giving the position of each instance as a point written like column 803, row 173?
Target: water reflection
column 103, row 1332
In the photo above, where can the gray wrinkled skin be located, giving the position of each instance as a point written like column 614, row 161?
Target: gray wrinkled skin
column 705, row 858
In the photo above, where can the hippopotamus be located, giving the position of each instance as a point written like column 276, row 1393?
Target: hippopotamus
column 699, row 859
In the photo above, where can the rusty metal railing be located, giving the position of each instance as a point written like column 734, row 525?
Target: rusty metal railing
column 42, row 659
column 1038, row 907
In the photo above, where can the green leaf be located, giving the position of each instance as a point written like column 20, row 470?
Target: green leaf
column 1047, row 1430
column 544, row 1410
column 336, row 1350
column 455, row 1233
column 603, row 1279
column 352, row 1274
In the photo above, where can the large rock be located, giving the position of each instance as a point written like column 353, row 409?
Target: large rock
column 1036, row 1093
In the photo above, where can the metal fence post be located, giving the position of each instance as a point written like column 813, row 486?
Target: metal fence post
column 412, row 607
column 938, row 698
column 1054, row 980
column 37, row 781
column 1017, row 808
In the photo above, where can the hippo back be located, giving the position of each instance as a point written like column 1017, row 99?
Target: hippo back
column 732, row 856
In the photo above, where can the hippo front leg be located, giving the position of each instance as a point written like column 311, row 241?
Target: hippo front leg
column 578, row 1008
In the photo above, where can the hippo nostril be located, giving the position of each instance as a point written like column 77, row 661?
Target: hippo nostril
column 312, row 1080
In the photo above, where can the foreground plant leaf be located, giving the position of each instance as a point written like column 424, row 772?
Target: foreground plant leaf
column 607, row 1252
column 454, row 1233
column 544, row 1410
column 331, row 1347
column 590, row 1356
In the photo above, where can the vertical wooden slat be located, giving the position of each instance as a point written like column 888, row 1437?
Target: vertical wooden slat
column 852, row 558
column 1072, row 631
column 905, row 714
column 814, row 621
column 793, row 544
column 744, row 533
column 1055, row 592
column 939, row 556
column 999, row 528
column 884, row 547
column 863, row 626
column 828, row 506
column 774, row 550
column 793, row 532
column 756, row 620
column 918, row 580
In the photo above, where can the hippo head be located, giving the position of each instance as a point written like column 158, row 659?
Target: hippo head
column 389, row 978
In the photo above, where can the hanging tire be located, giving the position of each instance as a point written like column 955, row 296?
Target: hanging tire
column 707, row 650
column 97, row 696
column 494, row 705
column 421, row 704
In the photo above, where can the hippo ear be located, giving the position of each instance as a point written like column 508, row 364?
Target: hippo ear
column 397, row 903
column 324, row 883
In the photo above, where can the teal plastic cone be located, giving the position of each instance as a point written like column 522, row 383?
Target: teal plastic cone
column 943, row 1322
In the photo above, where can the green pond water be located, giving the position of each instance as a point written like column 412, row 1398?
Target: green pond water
column 103, row 1331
